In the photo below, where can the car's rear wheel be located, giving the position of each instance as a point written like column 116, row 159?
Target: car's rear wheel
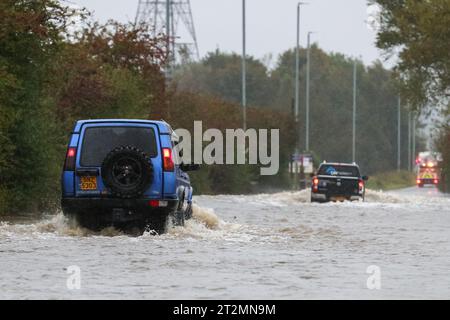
column 91, row 221
column 188, row 213
column 319, row 200
column 178, row 218
column 157, row 223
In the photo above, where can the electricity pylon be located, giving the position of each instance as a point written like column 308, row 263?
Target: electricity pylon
column 172, row 18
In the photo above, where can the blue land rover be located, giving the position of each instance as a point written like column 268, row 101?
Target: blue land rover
column 124, row 173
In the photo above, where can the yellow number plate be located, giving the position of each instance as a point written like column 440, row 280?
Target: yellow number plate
column 88, row 183
column 338, row 199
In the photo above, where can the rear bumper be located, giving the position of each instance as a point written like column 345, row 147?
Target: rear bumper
column 325, row 196
column 427, row 181
column 116, row 209
column 319, row 196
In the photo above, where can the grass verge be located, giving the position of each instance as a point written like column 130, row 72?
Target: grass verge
column 391, row 180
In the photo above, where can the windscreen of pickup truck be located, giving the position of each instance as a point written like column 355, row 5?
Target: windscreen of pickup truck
column 99, row 141
column 336, row 170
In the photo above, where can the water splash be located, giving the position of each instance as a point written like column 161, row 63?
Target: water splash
column 57, row 224
column 206, row 216
column 383, row 197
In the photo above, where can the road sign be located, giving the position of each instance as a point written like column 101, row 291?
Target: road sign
column 304, row 161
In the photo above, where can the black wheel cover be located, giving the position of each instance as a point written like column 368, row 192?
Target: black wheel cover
column 127, row 172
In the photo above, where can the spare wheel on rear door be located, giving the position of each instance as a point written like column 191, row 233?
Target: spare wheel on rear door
column 127, row 172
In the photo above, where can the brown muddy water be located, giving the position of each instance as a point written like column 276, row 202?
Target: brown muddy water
column 267, row 246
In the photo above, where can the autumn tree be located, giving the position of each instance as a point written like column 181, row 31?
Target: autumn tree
column 51, row 76
column 112, row 70
column 418, row 33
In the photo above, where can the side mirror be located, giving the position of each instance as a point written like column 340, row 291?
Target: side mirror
column 189, row 167
column 365, row 178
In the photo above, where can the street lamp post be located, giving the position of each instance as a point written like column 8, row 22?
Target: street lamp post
column 244, row 69
column 413, row 140
column 297, row 71
column 297, row 90
column 399, row 133
column 354, row 113
column 308, row 69
column 409, row 141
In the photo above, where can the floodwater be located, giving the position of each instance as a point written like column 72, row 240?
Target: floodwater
column 267, row 246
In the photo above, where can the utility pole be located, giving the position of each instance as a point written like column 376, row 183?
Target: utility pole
column 297, row 73
column 244, row 69
column 409, row 141
column 297, row 90
column 399, row 133
column 414, row 140
column 308, row 67
column 354, row 113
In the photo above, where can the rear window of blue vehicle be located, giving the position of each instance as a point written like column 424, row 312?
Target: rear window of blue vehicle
column 99, row 141
column 336, row 170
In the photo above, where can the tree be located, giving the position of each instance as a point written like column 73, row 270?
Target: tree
column 111, row 70
column 220, row 74
column 50, row 77
column 30, row 37
column 331, row 88
column 419, row 33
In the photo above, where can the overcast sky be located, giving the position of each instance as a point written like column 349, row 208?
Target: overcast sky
column 341, row 25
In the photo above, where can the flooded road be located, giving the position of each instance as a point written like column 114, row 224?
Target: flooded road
column 276, row 246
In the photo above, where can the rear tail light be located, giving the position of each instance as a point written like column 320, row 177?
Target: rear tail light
column 436, row 181
column 69, row 164
column 153, row 203
column 168, row 164
column 157, row 203
column 418, row 181
column 361, row 185
column 315, row 182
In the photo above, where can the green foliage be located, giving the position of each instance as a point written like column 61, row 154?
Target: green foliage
column 418, row 31
column 47, row 82
column 49, row 78
column 30, row 36
column 185, row 108
column 219, row 75
column 443, row 144
column 111, row 70
column 7, row 85
column 330, row 103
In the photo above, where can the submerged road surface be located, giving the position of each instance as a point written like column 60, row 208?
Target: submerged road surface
column 268, row 246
